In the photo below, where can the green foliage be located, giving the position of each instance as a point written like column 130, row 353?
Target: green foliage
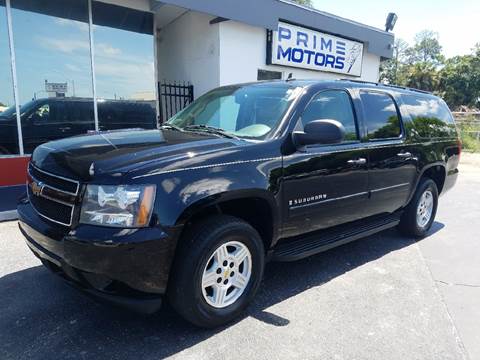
column 426, row 49
column 389, row 130
column 421, row 75
column 422, row 66
column 460, row 81
column 469, row 130
column 431, row 127
column 469, row 141
column 389, row 68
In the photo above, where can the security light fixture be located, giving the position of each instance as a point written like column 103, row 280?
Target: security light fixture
column 391, row 21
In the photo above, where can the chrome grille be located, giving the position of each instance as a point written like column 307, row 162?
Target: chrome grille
column 52, row 196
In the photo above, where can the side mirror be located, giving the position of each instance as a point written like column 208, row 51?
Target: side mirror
column 320, row 132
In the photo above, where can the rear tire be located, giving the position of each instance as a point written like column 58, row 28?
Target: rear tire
column 217, row 271
column 420, row 213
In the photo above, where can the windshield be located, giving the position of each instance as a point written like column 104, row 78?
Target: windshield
column 249, row 111
column 11, row 111
column 8, row 111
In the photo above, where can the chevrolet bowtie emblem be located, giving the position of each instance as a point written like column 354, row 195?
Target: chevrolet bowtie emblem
column 36, row 188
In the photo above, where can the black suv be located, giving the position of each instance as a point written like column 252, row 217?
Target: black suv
column 245, row 174
column 55, row 118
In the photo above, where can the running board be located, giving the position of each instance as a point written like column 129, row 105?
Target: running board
column 301, row 247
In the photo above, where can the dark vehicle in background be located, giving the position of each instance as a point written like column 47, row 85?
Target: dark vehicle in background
column 50, row 119
column 245, row 174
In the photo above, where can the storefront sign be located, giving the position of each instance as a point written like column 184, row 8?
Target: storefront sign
column 304, row 48
column 56, row 87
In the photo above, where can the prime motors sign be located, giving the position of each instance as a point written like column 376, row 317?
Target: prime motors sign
column 304, row 48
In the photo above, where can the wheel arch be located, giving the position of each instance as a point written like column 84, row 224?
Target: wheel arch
column 435, row 171
column 255, row 206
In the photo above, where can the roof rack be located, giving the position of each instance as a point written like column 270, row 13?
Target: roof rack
column 387, row 85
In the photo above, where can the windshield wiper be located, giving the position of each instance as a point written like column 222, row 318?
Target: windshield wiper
column 170, row 126
column 212, row 130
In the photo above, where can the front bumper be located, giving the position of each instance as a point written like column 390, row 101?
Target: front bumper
column 127, row 267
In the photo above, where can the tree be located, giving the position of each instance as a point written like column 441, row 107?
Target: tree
column 420, row 75
column 415, row 66
column 460, row 80
column 304, row 2
column 427, row 49
column 389, row 68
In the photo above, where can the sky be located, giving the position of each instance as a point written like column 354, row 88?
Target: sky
column 455, row 21
column 58, row 50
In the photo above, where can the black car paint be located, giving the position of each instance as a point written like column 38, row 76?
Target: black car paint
column 196, row 171
column 76, row 118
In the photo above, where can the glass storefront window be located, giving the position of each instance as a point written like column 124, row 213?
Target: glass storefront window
column 8, row 121
column 124, row 67
column 53, row 69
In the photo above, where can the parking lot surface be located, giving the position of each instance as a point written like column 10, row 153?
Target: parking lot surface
column 382, row 297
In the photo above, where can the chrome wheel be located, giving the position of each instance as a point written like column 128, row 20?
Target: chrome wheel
column 226, row 274
column 425, row 208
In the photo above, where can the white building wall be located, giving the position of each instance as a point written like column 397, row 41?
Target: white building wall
column 243, row 51
column 188, row 50
column 208, row 56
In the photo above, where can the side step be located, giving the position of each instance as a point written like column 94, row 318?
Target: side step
column 301, row 247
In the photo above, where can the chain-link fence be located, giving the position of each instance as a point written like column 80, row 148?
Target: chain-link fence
column 468, row 124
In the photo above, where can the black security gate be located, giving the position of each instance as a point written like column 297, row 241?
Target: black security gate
column 172, row 98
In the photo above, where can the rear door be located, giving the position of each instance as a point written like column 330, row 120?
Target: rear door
column 392, row 166
column 326, row 185
column 80, row 117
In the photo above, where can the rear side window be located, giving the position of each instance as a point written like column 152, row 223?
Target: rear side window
column 430, row 117
column 381, row 116
column 332, row 105
column 81, row 112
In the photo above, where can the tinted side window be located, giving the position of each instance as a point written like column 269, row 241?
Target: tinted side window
column 58, row 112
column 334, row 105
column 430, row 117
column 41, row 115
column 381, row 115
column 81, row 112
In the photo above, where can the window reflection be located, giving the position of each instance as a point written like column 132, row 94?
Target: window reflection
column 332, row 105
column 53, row 69
column 8, row 121
column 430, row 117
column 380, row 115
column 124, row 67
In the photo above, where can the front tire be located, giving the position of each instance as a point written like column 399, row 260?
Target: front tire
column 217, row 271
column 420, row 213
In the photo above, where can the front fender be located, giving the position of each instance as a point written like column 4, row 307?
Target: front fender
column 183, row 193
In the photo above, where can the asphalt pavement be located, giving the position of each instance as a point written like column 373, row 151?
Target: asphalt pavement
column 382, row 297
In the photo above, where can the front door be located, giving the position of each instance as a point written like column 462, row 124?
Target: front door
column 326, row 185
column 392, row 166
column 46, row 122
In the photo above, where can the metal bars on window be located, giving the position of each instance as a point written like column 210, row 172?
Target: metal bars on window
column 173, row 97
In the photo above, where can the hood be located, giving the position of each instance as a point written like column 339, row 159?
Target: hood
column 115, row 153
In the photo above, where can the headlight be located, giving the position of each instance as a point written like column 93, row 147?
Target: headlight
column 122, row 205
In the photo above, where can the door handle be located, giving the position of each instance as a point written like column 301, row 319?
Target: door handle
column 405, row 154
column 360, row 161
